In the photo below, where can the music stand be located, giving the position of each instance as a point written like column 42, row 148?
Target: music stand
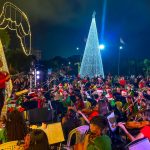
column 111, row 121
column 54, row 133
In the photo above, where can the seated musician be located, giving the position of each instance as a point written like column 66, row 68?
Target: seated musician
column 97, row 138
column 144, row 132
column 39, row 98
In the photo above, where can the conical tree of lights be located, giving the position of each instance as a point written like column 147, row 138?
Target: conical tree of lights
column 91, row 65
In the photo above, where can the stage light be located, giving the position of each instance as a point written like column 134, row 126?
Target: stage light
column 77, row 48
column 121, row 47
column 38, row 77
column 38, row 72
column 101, row 46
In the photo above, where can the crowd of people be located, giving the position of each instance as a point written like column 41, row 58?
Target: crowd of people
column 117, row 109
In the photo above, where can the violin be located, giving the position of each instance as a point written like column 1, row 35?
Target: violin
column 136, row 124
column 87, row 111
column 92, row 136
column 137, row 116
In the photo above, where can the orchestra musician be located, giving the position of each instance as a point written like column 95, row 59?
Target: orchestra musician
column 144, row 131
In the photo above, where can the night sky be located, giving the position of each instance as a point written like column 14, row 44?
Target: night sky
column 59, row 26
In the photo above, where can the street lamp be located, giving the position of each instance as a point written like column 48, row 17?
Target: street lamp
column 120, row 48
column 101, row 46
column 79, row 54
column 37, row 72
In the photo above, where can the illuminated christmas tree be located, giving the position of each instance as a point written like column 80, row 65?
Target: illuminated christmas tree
column 92, row 62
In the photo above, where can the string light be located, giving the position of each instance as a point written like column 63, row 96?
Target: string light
column 5, row 68
column 7, row 21
column 91, row 65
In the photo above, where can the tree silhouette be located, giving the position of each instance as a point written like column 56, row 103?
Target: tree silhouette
column 147, row 66
column 18, row 61
column 5, row 38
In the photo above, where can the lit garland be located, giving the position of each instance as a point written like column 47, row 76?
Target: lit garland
column 5, row 68
column 22, row 92
column 92, row 62
column 7, row 21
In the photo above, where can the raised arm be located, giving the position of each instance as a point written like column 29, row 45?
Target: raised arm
column 132, row 138
column 85, row 118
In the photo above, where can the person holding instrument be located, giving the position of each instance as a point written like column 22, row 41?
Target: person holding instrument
column 96, row 139
column 144, row 132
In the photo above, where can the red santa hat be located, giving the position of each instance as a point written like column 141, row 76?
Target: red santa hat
column 124, row 92
column 100, row 79
column 60, row 85
column 109, row 96
column 99, row 90
column 108, row 89
column 32, row 94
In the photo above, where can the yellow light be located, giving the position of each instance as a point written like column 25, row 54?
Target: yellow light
column 7, row 21
column 5, row 68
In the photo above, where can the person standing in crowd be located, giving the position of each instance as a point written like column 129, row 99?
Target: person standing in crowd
column 69, row 122
column 4, row 77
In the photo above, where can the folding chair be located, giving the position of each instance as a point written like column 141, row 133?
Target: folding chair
column 80, row 133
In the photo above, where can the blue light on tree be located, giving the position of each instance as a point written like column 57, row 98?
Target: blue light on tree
column 91, row 65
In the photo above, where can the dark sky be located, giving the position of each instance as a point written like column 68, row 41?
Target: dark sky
column 59, row 26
